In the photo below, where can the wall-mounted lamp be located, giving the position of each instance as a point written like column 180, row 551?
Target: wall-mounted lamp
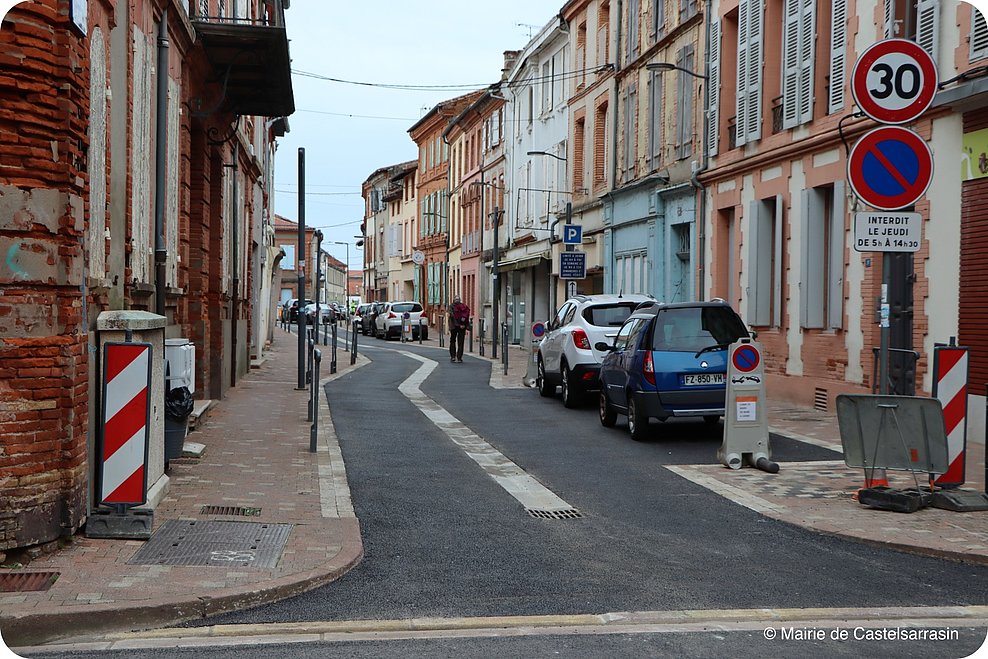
column 665, row 66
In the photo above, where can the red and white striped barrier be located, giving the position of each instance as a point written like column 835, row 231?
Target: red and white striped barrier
column 950, row 388
column 125, row 422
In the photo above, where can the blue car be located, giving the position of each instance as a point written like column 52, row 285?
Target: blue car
column 668, row 360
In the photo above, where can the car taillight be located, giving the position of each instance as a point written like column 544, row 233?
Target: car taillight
column 580, row 339
column 648, row 369
column 391, row 315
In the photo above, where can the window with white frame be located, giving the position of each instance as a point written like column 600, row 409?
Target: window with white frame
column 558, row 73
column 763, row 239
column 822, row 280
column 838, row 55
column 798, row 49
column 628, row 137
column 918, row 20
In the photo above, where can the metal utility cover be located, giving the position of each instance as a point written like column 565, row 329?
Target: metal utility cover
column 218, row 543
column 892, row 432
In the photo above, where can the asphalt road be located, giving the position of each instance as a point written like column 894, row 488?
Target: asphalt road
column 442, row 538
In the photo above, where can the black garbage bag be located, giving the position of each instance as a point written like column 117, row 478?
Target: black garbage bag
column 179, row 404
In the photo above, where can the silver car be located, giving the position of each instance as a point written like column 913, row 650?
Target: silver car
column 388, row 321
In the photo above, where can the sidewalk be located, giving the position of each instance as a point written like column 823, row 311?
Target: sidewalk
column 257, row 460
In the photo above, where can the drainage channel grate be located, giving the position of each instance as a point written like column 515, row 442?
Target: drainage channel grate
column 218, row 543
column 240, row 511
column 569, row 513
column 22, row 582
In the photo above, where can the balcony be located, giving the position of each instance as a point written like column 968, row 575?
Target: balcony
column 250, row 58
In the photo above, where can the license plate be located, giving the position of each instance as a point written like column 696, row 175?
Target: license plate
column 703, row 378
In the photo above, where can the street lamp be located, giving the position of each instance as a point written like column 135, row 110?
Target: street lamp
column 665, row 66
column 545, row 153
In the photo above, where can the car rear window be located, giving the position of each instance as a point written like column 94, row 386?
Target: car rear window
column 406, row 306
column 696, row 328
column 609, row 315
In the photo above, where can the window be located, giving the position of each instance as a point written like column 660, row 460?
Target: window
column 609, row 315
column 621, row 341
column 288, row 262
column 979, row 35
column 630, row 121
column 918, row 20
column 687, row 10
column 558, row 71
column 655, row 120
column 713, row 89
column 838, row 55
column 600, row 144
column 798, row 50
column 603, row 33
column 822, row 281
column 546, row 86
column 579, row 131
column 581, row 53
column 751, row 15
column 764, row 263
column 658, row 28
column 684, row 103
column 530, row 104
column 634, row 20
column 689, row 329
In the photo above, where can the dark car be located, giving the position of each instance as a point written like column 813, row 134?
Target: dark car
column 668, row 360
column 293, row 306
column 369, row 319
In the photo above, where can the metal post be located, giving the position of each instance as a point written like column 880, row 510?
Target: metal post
column 314, row 428
column 482, row 326
column 496, row 281
column 332, row 363
column 317, row 283
column 301, row 267
column 353, row 348
column 504, row 346
column 312, row 380
column 568, row 248
column 883, row 355
column 471, row 337
column 161, row 142
column 442, row 330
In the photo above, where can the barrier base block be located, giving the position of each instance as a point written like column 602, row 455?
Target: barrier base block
column 961, row 501
column 132, row 525
column 887, row 498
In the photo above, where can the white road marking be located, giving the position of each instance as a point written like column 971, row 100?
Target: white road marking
column 523, row 487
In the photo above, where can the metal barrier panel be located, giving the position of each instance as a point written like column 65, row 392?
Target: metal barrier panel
column 904, row 433
column 950, row 374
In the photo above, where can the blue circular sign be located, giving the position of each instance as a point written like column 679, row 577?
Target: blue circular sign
column 538, row 330
column 746, row 359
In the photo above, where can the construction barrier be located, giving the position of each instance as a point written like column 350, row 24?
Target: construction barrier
column 950, row 388
column 124, row 424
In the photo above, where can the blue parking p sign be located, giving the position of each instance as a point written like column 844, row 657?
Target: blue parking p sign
column 572, row 234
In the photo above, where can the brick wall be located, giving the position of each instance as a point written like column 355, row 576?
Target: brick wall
column 43, row 358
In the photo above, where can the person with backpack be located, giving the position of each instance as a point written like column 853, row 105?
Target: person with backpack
column 459, row 325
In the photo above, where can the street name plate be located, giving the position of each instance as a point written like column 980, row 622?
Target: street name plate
column 572, row 265
column 887, row 232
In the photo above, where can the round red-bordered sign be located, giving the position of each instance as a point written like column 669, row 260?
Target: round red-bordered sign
column 746, row 358
column 894, row 81
column 890, row 168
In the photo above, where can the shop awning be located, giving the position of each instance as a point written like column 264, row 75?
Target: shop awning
column 522, row 263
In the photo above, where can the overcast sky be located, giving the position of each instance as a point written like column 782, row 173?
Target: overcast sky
column 423, row 43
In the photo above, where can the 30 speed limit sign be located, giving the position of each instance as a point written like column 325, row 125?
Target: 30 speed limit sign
column 894, row 81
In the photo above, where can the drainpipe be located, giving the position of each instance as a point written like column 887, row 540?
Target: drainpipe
column 614, row 121
column 160, row 151
column 701, row 236
column 235, row 220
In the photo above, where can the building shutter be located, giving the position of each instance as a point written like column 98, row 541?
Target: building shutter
column 749, row 117
column 835, row 279
column 777, row 281
column 838, row 55
column 744, row 9
column 790, row 63
column 807, row 58
column 713, row 88
column 928, row 26
column 754, row 292
column 811, row 282
column 979, row 35
column 681, row 94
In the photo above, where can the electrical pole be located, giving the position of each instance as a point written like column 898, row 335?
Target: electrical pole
column 301, row 268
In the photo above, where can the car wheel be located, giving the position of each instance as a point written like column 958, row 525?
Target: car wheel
column 608, row 417
column 545, row 389
column 637, row 422
column 569, row 389
column 711, row 418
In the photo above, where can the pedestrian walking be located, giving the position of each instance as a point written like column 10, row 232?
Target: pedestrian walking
column 459, row 325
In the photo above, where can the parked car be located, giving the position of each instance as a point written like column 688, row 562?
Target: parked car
column 566, row 356
column 389, row 319
column 292, row 307
column 668, row 360
column 327, row 314
column 370, row 315
column 358, row 315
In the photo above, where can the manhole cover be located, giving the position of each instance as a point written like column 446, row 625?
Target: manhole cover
column 239, row 511
column 192, row 542
column 22, row 582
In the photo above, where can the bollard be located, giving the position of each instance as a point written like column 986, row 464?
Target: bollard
column 332, row 363
column 504, row 346
column 314, row 428
column 421, row 332
column 346, row 336
column 309, row 378
column 442, row 331
column 353, row 348
column 482, row 337
column 470, row 332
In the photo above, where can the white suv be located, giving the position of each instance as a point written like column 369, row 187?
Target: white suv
column 388, row 321
column 566, row 354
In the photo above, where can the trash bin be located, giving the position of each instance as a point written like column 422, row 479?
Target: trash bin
column 178, row 408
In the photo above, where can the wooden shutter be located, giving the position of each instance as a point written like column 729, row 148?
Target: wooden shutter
column 777, row 273
column 682, row 85
column 979, row 35
column 790, row 64
column 744, row 9
column 835, row 278
column 811, row 282
column 634, row 20
column 807, row 58
column 755, row 46
column 838, row 55
column 928, row 26
column 687, row 81
column 713, row 88
column 754, row 291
